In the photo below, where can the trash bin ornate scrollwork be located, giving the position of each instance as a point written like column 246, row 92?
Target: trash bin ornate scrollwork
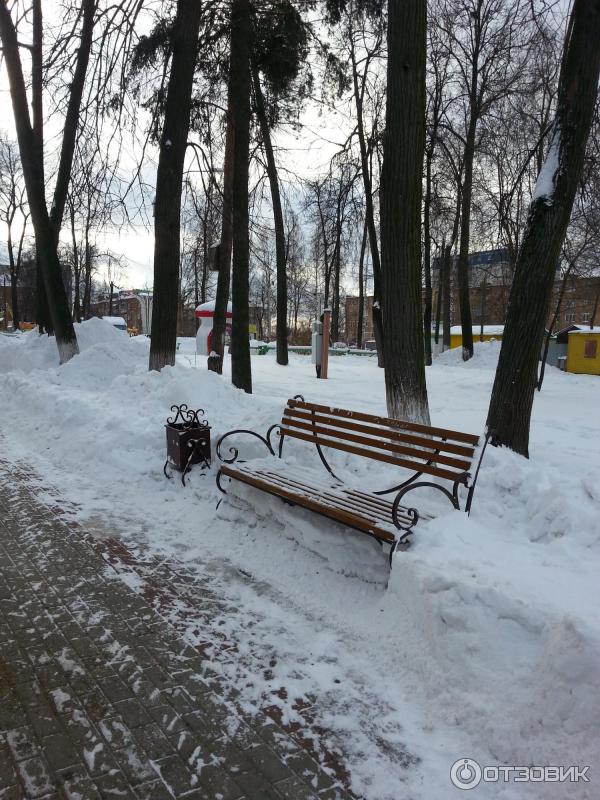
column 188, row 440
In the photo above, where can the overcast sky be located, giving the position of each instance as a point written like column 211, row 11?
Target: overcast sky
column 305, row 154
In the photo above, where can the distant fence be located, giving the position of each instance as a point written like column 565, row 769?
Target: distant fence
column 305, row 350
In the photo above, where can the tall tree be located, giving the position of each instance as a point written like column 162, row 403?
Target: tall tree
column 280, row 249
column 241, row 371
column 359, row 84
column 401, row 206
column 169, row 182
column 13, row 211
column 46, row 225
column 215, row 358
column 509, row 414
column 279, row 51
column 485, row 38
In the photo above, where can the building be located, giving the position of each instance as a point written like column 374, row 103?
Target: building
column 351, row 326
column 581, row 301
column 485, row 266
column 490, row 278
column 583, row 353
column 135, row 307
column 26, row 295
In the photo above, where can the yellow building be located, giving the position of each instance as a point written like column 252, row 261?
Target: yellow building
column 489, row 332
column 583, row 352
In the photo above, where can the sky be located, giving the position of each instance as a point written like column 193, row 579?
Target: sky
column 305, row 154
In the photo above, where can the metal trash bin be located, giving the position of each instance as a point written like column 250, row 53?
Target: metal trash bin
column 188, row 440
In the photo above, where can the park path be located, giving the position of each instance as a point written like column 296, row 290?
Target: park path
column 101, row 696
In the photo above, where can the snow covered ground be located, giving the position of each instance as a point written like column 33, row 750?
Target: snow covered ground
column 486, row 644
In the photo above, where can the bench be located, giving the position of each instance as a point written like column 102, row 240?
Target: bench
column 446, row 455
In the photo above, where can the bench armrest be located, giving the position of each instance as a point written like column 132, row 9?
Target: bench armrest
column 452, row 496
column 234, row 452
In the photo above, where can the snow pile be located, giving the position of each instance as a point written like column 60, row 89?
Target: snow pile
column 487, row 642
column 39, row 352
column 485, row 355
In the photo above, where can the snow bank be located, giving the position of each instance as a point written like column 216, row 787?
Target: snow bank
column 485, row 355
column 29, row 351
column 487, row 642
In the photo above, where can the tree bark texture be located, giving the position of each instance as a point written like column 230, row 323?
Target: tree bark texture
column 438, row 305
column 215, row 359
column 427, row 310
column 401, row 205
column 280, row 248
column 369, row 210
column 37, row 121
column 13, row 270
column 360, row 317
column 509, row 414
column 446, row 289
column 71, row 123
column 169, row 179
column 241, row 371
column 58, row 304
column 462, row 266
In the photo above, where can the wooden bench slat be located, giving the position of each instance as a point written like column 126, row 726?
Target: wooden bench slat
column 457, row 436
column 460, row 476
column 370, row 499
column 392, row 447
column 322, row 508
column 381, row 431
column 339, row 495
column 339, row 502
column 300, row 486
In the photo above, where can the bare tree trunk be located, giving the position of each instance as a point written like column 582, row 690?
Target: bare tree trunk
column 447, row 268
column 361, row 289
column 427, row 310
column 71, row 122
column 509, row 413
column 335, row 299
column 37, row 109
column 401, row 206
column 169, row 179
column 14, row 300
column 551, row 327
column 76, row 267
column 215, row 358
column 482, row 308
column 12, row 267
column 87, row 273
column 34, row 182
column 369, row 209
column 241, row 371
column 462, row 266
column 280, row 249
column 438, row 305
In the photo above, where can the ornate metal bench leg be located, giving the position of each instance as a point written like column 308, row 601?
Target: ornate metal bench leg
column 220, row 487
column 166, row 474
column 392, row 551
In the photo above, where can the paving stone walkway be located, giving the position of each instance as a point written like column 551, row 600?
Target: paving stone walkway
column 101, row 697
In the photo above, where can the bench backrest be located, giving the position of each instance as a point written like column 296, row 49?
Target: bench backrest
column 433, row 451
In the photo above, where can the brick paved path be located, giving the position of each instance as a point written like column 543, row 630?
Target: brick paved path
column 100, row 697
